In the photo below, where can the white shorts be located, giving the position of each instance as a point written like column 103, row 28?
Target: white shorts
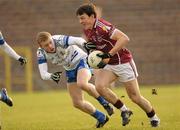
column 125, row 72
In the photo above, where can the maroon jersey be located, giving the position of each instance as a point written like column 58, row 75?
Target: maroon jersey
column 100, row 35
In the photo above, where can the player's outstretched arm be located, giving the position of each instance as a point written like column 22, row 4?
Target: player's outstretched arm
column 4, row 46
column 45, row 75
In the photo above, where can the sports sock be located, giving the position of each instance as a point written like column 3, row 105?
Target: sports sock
column 124, row 108
column 120, row 105
column 154, row 118
column 151, row 113
column 101, row 100
column 98, row 115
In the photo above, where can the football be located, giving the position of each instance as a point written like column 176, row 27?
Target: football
column 93, row 59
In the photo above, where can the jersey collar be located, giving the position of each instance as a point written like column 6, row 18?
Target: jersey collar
column 95, row 23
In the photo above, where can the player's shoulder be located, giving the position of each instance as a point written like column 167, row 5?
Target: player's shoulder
column 103, row 25
column 40, row 52
column 103, row 21
column 57, row 37
column 60, row 39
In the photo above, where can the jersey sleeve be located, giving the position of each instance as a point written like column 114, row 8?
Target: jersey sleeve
column 41, row 58
column 65, row 41
column 61, row 40
column 10, row 51
column 43, row 69
column 42, row 65
column 76, row 41
column 1, row 39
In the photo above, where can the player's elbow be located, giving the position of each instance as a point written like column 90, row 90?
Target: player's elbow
column 126, row 40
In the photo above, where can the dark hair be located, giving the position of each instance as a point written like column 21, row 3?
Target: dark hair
column 88, row 9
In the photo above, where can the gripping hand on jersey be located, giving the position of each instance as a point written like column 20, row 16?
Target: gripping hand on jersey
column 22, row 60
column 89, row 46
column 56, row 76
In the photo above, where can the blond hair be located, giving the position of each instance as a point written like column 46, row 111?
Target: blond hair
column 42, row 37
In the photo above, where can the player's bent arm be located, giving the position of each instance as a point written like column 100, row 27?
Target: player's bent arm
column 76, row 41
column 121, row 38
column 43, row 69
column 9, row 51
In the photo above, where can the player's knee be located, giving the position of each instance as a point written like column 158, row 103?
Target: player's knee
column 77, row 104
column 100, row 89
column 82, row 85
column 100, row 85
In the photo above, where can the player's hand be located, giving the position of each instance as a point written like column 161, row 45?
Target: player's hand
column 89, row 46
column 105, row 59
column 104, row 55
column 101, row 65
column 56, row 76
column 22, row 60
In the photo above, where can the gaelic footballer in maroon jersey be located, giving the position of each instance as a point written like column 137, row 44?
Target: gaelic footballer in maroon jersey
column 117, row 63
column 101, row 35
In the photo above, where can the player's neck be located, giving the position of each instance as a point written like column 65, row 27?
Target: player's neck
column 93, row 24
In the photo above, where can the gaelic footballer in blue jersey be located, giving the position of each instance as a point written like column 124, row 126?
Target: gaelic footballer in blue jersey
column 63, row 50
column 6, row 48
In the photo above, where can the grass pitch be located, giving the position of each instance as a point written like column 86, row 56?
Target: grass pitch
column 54, row 111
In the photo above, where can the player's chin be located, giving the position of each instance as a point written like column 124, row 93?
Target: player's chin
column 85, row 27
column 51, row 50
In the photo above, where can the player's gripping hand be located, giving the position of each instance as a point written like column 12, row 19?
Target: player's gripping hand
column 22, row 60
column 105, row 59
column 102, row 64
column 104, row 55
column 56, row 76
column 89, row 46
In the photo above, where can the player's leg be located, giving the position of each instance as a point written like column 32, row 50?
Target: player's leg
column 85, row 106
column 5, row 98
column 133, row 91
column 128, row 76
column 83, row 77
column 103, row 79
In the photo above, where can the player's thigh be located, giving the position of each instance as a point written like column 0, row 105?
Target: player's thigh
column 83, row 76
column 75, row 92
column 132, row 88
column 104, row 77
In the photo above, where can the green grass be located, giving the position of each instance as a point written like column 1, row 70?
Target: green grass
column 54, row 111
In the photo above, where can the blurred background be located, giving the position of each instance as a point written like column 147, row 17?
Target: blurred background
column 152, row 26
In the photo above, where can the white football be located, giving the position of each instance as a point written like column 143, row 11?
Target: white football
column 93, row 59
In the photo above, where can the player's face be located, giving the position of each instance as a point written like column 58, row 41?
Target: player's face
column 48, row 45
column 86, row 21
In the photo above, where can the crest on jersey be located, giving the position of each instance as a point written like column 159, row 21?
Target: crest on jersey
column 106, row 28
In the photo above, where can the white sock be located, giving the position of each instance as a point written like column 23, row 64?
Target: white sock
column 124, row 108
column 154, row 118
column 0, row 96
